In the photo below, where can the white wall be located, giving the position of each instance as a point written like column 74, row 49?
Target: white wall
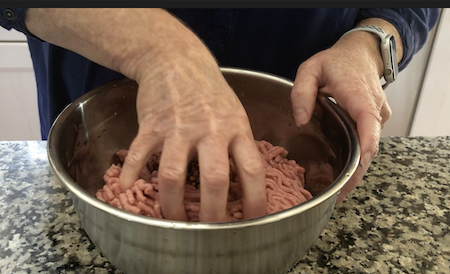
column 402, row 95
column 433, row 109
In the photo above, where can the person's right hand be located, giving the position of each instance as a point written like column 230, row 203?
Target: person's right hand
column 184, row 104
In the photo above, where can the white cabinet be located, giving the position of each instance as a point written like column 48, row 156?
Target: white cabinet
column 19, row 118
column 11, row 35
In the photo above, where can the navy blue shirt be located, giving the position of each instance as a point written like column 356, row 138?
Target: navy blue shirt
column 270, row 40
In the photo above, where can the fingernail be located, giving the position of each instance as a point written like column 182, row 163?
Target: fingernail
column 300, row 117
column 367, row 159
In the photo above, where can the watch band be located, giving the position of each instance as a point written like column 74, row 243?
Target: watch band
column 387, row 51
column 373, row 29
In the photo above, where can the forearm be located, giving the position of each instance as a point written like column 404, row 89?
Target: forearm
column 124, row 40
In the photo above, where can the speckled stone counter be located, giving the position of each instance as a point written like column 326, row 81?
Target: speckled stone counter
column 397, row 221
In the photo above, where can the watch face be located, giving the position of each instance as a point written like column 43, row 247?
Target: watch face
column 393, row 56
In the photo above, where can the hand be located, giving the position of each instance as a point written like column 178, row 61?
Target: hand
column 184, row 104
column 349, row 72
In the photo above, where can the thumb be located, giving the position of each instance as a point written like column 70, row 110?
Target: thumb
column 304, row 92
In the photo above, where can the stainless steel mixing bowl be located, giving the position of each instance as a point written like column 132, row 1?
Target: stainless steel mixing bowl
column 86, row 135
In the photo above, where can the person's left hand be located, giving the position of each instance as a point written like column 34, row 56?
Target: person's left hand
column 350, row 73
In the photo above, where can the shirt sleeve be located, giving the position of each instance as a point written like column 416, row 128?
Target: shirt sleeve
column 14, row 18
column 413, row 26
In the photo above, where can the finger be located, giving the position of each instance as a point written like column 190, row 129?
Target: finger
column 214, row 180
column 252, row 176
column 140, row 150
column 369, row 130
column 362, row 108
column 172, row 178
column 304, row 93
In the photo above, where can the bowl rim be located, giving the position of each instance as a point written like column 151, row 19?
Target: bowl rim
column 330, row 192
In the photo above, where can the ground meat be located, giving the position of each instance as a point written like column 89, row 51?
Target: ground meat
column 284, row 186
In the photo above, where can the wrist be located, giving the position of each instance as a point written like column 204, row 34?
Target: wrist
column 388, row 28
column 387, row 47
column 363, row 45
column 171, row 46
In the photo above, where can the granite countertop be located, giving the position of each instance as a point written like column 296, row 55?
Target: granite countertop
column 397, row 221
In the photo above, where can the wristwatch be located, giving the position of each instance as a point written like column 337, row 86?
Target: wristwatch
column 387, row 50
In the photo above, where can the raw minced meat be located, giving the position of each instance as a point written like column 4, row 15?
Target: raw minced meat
column 285, row 182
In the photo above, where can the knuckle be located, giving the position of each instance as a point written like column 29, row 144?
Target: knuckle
column 307, row 65
column 377, row 117
column 372, row 112
column 132, row 158
column 252, row 168
column 151, row 133
column 296, row 94
column 217, row 177
column 171, row 174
